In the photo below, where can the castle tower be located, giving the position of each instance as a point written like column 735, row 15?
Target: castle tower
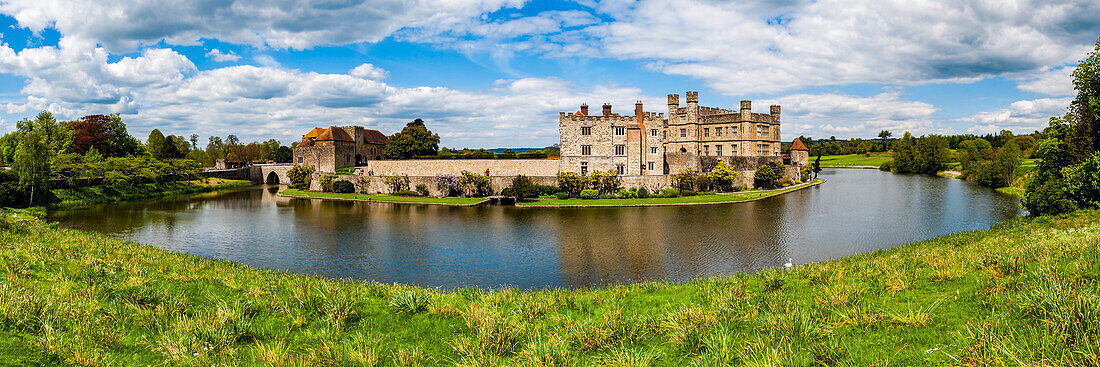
column 746, row 110
column 673, row 102
column 775, row 113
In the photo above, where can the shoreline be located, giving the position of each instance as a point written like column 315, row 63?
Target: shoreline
column 95, row 195
column 735, row 201
column 368, row 200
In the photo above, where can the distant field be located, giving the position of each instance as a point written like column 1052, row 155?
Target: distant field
column 853, row 160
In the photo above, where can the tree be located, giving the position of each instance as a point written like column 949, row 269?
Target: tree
column 817, row 165
column 684, row 180
column 283, row 155
column 194, row 141
column 884, row 134
column 122, row 143
column 32, row 164
column 724, row 176
column 523, row 188
column 413, row 140
column 91, row 132
column 768, row 175
column 154, row 145
column 572, row 183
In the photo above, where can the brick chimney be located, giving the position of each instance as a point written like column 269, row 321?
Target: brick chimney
column 607, row 109
column 584, row 109
column 638, row 111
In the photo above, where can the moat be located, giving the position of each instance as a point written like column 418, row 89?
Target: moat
column 856, row 211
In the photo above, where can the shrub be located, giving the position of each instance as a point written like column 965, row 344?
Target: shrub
column 410, row 302
column 704, row 183
column 448, row 185
column 688, row 193
column 299, row 176
column 326, row 182
column 706, row 193
column 406, row 193
column 546, row 190
column 786, row 181
column 768, row 175
column 685, row 180
column 670, row 193
column 589, row 194
column 396, row 182
column 522, row 188
column 723, row 176
column 572, row 183
column 607, row 182
column 561, row 195
column 643, row 192
column 422, row 189
column 475, row 185
column 345, row 187
column 805, row 173
column 1049, row 197
column 608, row 196
column 887, row 166
column 627, row 194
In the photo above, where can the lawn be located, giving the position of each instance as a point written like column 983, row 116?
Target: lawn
column 854, row 160
column 384, row 197
column 1024, row 293
column 697, row 199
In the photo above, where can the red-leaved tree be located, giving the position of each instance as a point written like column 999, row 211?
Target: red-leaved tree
column 92, row 131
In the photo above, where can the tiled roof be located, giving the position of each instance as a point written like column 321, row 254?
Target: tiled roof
column 334, row 134
column 314, row 133
column 374, row 136
column 797, row 145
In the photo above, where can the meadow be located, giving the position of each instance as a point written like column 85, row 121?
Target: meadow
column 108, row 194
column 1025, row 292
column 854, row 160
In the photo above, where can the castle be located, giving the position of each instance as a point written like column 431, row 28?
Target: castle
column 645, row 148
column 690, row 138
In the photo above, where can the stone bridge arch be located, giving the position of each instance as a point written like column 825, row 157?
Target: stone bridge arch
column 274, row 174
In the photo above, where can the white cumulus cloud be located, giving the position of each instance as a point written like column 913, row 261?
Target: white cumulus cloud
column 219, row 56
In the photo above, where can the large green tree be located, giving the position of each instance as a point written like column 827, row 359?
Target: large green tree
column 122, row 143
column 415, row 139
column 32, row 164
column 1066, row 155
column 155, row 144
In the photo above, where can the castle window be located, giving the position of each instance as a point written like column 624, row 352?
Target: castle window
column 620, row 168
column 620, row 130
column 620, row 149
column 653, row 132
column 706, row 150
column 299, row 159
column 733, row 149
column 733, row 130
column 718, row 150
column 584, row 168
column 763, row 149
column 586, row 130
column 718, row 131
column 706, row 132
column 683, row 133
column 652, row 150
column 649, row 166
column 586, row 150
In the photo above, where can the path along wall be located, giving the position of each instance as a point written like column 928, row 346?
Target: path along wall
column 496, row 167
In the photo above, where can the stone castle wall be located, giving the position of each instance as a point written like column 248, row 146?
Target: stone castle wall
column 496, row 167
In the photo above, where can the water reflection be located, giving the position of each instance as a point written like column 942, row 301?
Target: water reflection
column 856, row 211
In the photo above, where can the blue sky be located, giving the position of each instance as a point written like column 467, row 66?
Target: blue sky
column 495, row 73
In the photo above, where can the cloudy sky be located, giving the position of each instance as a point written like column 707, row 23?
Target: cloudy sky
column 495, row 73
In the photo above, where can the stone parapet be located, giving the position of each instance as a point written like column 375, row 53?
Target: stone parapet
column 432, row 167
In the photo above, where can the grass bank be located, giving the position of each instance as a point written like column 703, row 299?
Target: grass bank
column 1025, row 292
column 734, row 197
column 108, row 194
column 382, row 198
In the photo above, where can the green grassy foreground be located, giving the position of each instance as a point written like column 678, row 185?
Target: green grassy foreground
column 384, row 197
column 109, row 194
column 1025, row 292
column 681, row 200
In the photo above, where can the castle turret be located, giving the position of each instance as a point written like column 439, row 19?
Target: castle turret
column 673, row 102
column 692, row 98
column 607, row 109
column 775, row 112
column 584, row 109
column 746, row 110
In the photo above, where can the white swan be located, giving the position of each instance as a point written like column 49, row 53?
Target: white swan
column 789, row 264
